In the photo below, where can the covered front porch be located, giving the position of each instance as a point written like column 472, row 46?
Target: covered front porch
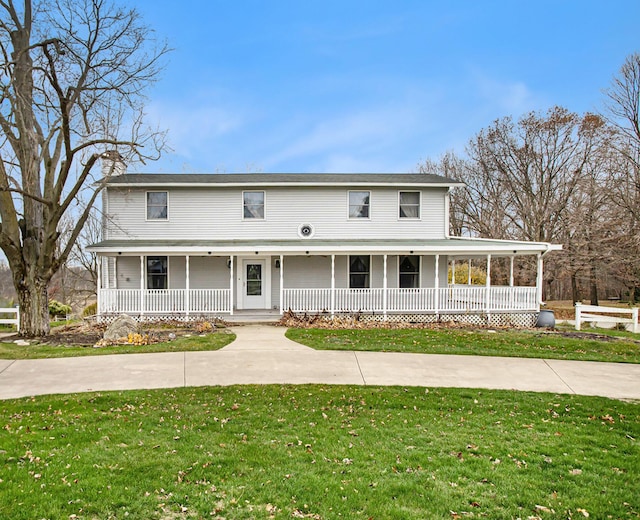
column 365, row 278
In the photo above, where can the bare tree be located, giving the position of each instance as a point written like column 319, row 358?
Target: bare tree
column 522, row 178
column 529, row 171
column 623, row 99
column 72, row 76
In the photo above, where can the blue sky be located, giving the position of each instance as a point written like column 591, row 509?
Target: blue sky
column 369, row 86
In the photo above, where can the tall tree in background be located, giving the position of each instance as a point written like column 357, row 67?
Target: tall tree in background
column 72, row 76
column 623, row 112
column 528, row 171
column 523, row 178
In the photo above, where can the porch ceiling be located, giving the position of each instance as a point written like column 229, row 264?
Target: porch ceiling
column 455, row 247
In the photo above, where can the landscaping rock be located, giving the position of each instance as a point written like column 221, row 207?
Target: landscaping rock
column 121, row 328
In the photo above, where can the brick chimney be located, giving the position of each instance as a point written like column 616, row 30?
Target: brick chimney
column 113, row 163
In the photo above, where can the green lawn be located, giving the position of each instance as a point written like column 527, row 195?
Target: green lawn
column 319, row 452
column 611, row 346
column 196, row 342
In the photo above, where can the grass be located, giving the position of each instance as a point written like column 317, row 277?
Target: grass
column 181, row 344
column 318, row 452
column 614, row 346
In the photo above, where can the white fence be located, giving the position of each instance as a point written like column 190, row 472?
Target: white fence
column 10, row 321
column 598, row 314
column 456, row 299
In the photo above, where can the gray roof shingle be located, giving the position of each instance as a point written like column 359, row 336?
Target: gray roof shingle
column 158, row 179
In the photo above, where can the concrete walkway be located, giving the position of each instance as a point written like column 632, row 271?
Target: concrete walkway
column 262, row 355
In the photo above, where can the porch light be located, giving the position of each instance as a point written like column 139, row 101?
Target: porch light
column 228, row 263
column 257, row 253
column 277, row 264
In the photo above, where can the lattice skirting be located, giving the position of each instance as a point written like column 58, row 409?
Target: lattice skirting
column 507, row 319
column 162, row 318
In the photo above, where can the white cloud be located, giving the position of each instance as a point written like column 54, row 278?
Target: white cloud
column 510, row 97
column 194, row 124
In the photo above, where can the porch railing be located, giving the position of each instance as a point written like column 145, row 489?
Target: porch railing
column 449, row 299
column 457, row 299
column 164, row 301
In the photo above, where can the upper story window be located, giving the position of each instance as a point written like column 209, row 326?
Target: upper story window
column 359, row 271
column 359, row 202
column 409, row 204
column 157, row 272
column 157, row 205
column 253, row 205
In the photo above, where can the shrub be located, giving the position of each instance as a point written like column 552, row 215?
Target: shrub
column 58, row 309
column 90, row 310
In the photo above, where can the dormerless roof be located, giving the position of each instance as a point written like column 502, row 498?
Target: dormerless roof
column 282, row 179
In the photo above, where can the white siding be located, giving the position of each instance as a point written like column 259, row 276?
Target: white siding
column 208, row 272
column 216, row 213
column 128, row 269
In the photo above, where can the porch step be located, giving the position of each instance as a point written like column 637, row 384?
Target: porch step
column 253, row 316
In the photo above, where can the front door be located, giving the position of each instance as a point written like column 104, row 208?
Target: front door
column 254, row 284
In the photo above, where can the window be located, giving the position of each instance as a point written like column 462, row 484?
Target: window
column 359, row 204
column 409, row 204
column 253, row 204
column 157, row 272
column 409, row 268
column 157, row 207
column 359, row 271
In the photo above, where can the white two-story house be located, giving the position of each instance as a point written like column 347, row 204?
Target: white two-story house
column 189, row 245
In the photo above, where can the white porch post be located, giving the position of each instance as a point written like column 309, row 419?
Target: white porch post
column 437, row 285
column 187, row 299
column 141, row 285
column 333, row 284
column 99, row 273
column 469, row 271
column 511, row 273
column 281, row 283
column 453, row 271
column 384, row 287
column 115, row 272
column 511, row 290
column 488, row 286
column 539, row 280
column 231, row 285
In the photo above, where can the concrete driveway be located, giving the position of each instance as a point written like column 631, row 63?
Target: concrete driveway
column 262, row 355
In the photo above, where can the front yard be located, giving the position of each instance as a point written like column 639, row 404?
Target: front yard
column 318, row 452
column 612, row 346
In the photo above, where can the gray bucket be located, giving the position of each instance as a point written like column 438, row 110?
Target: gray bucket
column 546, row 318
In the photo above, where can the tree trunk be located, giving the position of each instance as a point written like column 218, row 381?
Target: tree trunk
column 593, row 282
column 34, row 308
column 575, row 292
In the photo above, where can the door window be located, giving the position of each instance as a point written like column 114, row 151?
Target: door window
column 254, row 280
